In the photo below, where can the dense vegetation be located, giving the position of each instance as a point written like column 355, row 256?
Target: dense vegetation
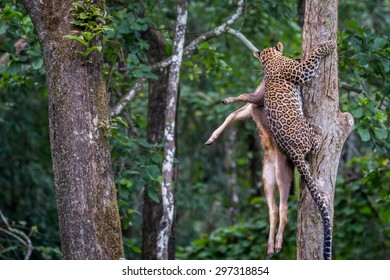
column 209, row 224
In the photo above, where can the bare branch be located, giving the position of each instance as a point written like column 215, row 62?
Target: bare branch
column 188, row 50
column 18, row 235
column 242, row 38
column 351, row 88
column 205, row 36
column 118, row 108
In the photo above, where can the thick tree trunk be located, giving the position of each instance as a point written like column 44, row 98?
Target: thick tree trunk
column 157, row 99
column 86, row 195
column 321, row 106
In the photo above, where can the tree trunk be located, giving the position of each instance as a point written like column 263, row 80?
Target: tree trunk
column 169, row 133
column 152, row 211
column 321, row 106
column 86, row 195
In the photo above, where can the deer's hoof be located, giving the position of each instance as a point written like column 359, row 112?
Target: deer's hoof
column 269, row 256
column 227, row 100
column 277, row 250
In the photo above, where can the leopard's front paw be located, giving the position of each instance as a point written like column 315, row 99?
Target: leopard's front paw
column 327, row 48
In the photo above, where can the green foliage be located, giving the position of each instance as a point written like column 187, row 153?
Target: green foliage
column 26, row 176
column 238, row 242
column 363, row 211
column 91, row 22
column 243, row 241
column 126, row 41
column 362, row 202
column 220, row 67
column 365, row 66
column 111, row 127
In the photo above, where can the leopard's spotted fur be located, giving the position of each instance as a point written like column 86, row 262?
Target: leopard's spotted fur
column 292, row 131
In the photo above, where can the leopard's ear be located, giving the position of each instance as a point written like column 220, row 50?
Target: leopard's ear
column 279, row 47
column 256, row 54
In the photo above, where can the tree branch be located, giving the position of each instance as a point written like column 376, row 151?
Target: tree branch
column 18, row 235
column 188, row 50
column 242, row 38
column 118, row 108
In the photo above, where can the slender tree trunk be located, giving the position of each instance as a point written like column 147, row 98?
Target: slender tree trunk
column 321, row 106
column 86, row 195
column 152, row 211
column 169, row 133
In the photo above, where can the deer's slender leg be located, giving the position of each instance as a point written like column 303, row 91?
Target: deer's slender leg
column 242, row 113
column 269, row 182
column 284, row 178
column 245, row 97
column 256, row 97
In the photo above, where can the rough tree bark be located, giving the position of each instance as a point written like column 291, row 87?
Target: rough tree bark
column 169, row 133
column 321, row 106
column 86, row 195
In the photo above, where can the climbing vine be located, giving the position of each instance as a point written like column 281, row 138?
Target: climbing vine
column 91, row 22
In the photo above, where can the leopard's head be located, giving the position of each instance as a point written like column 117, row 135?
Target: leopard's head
column 268, row 54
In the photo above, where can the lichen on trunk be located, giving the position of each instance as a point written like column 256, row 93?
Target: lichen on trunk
column 169, row 134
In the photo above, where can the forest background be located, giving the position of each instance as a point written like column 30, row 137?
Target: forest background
column 221, row 211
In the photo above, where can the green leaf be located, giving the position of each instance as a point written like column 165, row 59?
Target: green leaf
column 358, row 112
column 364, row 134
column 381, row 117
column 91, row 49
column 152, row 76
column 37, row 64
column 157, row 158
column 126, row 183
column 380, row 133
column 379, row 43
column 134, row 247
column 138, row 73
column 143, row 143
column 124, row 193
column 120, row 121
column 88, row 35
column 152, row 193
column 78, row 39
column 3, row 28
column 83, row 15
column 123, row 203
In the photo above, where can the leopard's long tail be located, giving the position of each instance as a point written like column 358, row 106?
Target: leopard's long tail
column 304, row 170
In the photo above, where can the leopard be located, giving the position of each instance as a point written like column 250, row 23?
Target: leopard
column 292, row 131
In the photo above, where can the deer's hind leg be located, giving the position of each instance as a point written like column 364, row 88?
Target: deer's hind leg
column 269, row 182
column 284, row 173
